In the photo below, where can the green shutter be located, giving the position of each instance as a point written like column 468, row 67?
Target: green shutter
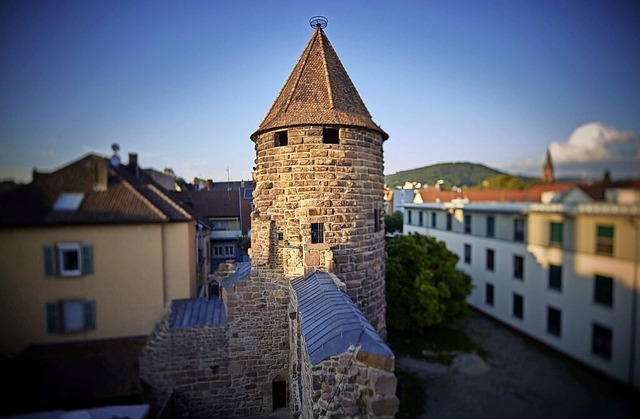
column 87, row 259
column 90, row 314
column 556, row 233
column 49, row 260
column 52, row 318
column 605, row 232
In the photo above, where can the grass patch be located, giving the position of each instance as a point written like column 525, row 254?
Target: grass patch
column 410, row 393
column 436, row 344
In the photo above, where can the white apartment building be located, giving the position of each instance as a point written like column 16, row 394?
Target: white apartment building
column 563, row 273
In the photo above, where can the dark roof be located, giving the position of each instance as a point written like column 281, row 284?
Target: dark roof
column 211, row 203
column 196, row 312
column 318, row 92
column 119, row 194
column 330, row 321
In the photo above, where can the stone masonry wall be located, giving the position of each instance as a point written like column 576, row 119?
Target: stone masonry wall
column 258, row 340
column 343, row 386
column 340, row 186
column 351, row 384
column 194, row 364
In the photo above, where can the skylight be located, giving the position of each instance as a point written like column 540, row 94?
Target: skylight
column 68, row 202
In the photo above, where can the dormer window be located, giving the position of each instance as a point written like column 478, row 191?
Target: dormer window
column 281, row 138
column 331, row 136
column 68, row 202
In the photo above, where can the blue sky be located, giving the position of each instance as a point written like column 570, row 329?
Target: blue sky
column 185, row 83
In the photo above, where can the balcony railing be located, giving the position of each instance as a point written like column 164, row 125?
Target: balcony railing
column 226, row 234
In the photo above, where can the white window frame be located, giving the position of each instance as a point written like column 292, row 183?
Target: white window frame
column 64, row 248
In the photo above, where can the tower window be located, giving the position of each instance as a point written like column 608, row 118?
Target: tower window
column 281, row 138
column 317, row 233
column 330, row 136
column 377, row 220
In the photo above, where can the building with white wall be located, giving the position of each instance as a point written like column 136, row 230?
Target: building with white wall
column 563, row 273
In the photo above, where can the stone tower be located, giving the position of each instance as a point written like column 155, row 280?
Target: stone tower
column 320, row 184
column 547, row 169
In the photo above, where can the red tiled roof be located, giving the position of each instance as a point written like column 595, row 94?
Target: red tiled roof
column 318, row 92
column 497, row 195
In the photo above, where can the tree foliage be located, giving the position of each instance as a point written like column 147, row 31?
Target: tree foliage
column 393, row 222
column 424, row 287
column 504, row 181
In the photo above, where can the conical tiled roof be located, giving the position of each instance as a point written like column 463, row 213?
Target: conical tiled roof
column 318, row 92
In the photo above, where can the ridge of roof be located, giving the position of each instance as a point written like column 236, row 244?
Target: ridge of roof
column 110, row 195
column 318, row 92
column 330, row 322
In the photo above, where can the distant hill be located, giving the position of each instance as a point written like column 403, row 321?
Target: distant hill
column 452, row 174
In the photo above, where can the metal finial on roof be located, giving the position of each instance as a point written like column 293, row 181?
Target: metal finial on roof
column 318, row 22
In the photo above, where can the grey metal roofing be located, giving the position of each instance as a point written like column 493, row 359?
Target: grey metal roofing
column 195, row 312
column 330, row 321
column 242, row 272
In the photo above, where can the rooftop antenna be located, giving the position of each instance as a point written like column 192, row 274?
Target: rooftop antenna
column 318, row 22
column 115, row 159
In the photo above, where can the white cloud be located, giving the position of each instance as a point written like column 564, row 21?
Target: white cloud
column 596, row 142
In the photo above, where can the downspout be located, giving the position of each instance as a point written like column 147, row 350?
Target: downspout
column 164, row 268
column 634, row 305
column 240, row 214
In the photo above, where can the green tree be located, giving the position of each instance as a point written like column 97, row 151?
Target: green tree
column 393, row 222
column 503, row 181
column 424, row 287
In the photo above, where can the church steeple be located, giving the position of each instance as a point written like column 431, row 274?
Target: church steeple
column 547, row 169
column 318, row 91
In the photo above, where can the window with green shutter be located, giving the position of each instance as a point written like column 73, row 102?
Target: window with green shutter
column 604, row 240
column 555, row 234
column 68, row 316
column 67, row 260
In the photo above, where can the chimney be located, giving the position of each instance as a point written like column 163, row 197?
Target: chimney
column 133, row 163
column 102, row 175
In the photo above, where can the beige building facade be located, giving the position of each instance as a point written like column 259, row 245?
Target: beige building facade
column 137, row 271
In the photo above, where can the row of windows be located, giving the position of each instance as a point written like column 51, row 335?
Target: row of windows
column 604, row 237
column 223, row 251
column 490, row 224
column 604, row 233
column 601, row 336
column 329, row 136
column 603, row 285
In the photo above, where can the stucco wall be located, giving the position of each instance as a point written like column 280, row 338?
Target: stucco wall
column 129, row 284
column 575, row 300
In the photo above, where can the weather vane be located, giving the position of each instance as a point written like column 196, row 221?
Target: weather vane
column 318, row 22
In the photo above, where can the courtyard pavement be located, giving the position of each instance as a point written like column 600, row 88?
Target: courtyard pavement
column 520, row 379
